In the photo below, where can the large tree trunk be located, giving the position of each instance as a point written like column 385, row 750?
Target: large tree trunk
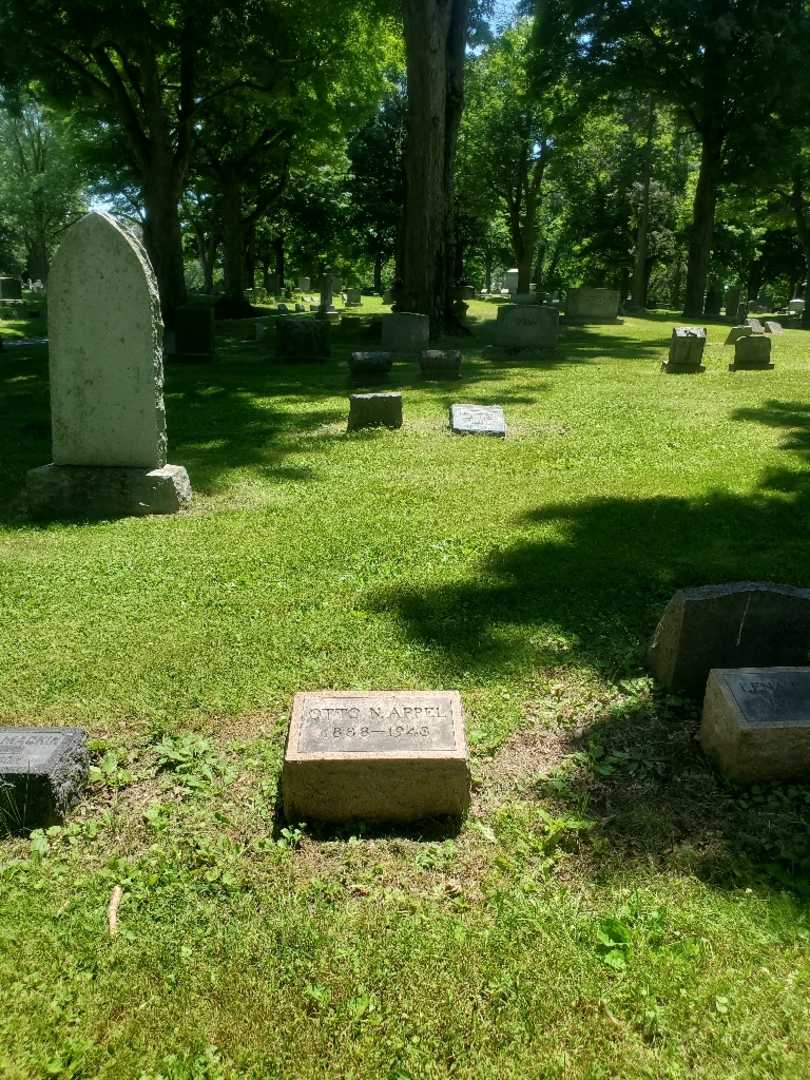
column 233, row 239
column 278, row 249
column 641, row 273
column 434, row 37
column 798, row 201
column 378, row 262
column 161, row 234
column 700, row 240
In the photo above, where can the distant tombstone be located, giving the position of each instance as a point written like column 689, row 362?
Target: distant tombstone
column 743, row 624
column 737, row 332
column 42, row 773
column 395, row 756
column 478, row 420
column 327, row 302
column 194, row 332
column 440, row 364
column 731, row 302
column 756, row 326
column 300, row 309
column 273, row 284
column 370, row 366
column 404, row 332
column 354, row 298
column 282, row 309
column 464, row 292
column 686, row 351
column 303, row 284
column 592, row 305
column 529, row 326
column 770, row 326
column 314, row 307
column 303, row 339
column 756, row 723
column 752, row 354
column 388, row 297
column 741, row 315
column 10, row 288
column 106, row 381
column 375, row 410
column 796, row 306
column 510, row 280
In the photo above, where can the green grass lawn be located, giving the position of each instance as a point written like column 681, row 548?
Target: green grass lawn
column 609, row 909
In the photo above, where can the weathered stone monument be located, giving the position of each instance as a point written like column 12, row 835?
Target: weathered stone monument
column 737, row 332
column 528, row 326
column 273, row 284
column 42, row 772
column 756, row 326
column 10, row 288
column 510, row 280
column 686, row 351
column 375, row 410
column 592, row 305
column 742, row 624
column 300, row 340
column 303, row 284
column 796, row 306
column 770, row 326
column 370, row 366
column 478, row 420
column 405, row 333
column 327, row 301
column 752, row 353
column 394, row 756
column 756, row 722
column 440, row 363
column 354, row 298
column 106, row 378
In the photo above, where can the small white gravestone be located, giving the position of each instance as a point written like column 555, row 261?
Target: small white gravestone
column 478, row 420
column 106, row 380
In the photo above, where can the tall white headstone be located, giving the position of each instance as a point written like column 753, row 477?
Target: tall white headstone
column 106, row 376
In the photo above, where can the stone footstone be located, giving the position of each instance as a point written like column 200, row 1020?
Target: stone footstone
column 87, row 491
column 737, row 332
column 592, row 305
column 752, row 354
column 742, row 624
column 303, row 339
column 375, row 410
column 772, row 327
column 405, row 333
column 370, row 366
column 42, row 773
column 756, row 723
column 354, row 298
column 194, row 333
column 478, row 420
column 686, row 351
column 388, row 756
column 106, row 382
column 440, row 364
column 528, row 326
column 756, row 326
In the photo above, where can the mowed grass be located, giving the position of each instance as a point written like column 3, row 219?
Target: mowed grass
column 609, row 909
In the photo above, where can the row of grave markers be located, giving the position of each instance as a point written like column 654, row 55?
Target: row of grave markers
column 400, row 756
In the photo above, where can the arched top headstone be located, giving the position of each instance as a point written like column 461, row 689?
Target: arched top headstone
column 106, row 357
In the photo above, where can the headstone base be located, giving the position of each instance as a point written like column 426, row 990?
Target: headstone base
column 88, row 491
column 750, row 367
column 375, row 410
column 682, row 369
column 42, row 772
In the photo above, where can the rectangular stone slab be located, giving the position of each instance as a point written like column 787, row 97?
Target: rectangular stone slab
column 42, row 771
column 756, row 722
column 378, row 756
column 478, row 420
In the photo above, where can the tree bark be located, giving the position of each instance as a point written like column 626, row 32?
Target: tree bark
column 161, row 234
column 700, row 240
column 641, row 273
column 798, row 202
column 434, row 42
column 233, row 238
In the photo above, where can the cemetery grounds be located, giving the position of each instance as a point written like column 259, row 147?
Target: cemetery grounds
column 609, row 909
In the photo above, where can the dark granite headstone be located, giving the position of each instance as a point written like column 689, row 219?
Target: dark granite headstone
column 303, row 339
column 744, row 624
column 194, row 332
column 42, row 771
column 368, row 367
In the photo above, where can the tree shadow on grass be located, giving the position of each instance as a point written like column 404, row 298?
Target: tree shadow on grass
column 639, row 775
